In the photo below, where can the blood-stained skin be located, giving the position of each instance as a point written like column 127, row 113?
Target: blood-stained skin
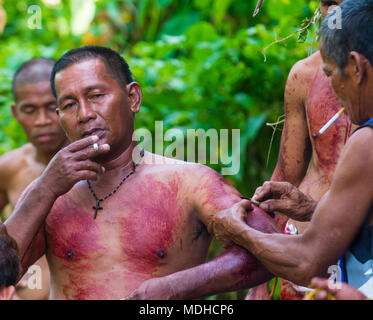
column 322, row 105
column 157, row 209
column 148, row 229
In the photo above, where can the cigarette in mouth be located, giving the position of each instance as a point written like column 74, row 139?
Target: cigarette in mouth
column 331, row 121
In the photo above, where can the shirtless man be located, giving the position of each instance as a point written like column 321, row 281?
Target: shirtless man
column 306, row 158
column 342, row 222
column 129, row 228
column 35, row 110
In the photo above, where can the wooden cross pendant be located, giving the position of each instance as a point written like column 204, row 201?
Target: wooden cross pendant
column 96, row 208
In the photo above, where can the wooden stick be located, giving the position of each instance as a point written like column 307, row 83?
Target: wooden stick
column 259, row 4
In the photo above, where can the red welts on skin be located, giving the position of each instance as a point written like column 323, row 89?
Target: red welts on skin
column 323, row 105
column 72, row 233
column 147, row 234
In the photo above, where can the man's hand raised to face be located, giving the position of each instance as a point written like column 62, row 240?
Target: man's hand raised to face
column 72, row 164
column 284, row 198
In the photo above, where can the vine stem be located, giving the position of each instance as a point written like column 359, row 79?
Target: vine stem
column 259, row 4
column 289, row 36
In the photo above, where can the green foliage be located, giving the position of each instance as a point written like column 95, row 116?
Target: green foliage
column 199, row 63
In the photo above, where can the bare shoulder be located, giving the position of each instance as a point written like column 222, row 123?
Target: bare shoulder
column 299, row 81
column 307, row 67
column 355, row 163
column 304, row 70
column 359, row 147
column 164, row 166
column 190, row 173
column 13, row 161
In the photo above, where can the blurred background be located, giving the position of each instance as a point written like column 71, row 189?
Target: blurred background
column 199, row 62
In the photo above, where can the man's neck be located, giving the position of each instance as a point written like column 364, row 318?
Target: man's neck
column 118, row 167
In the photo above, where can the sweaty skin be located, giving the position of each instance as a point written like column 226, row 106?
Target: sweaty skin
column 153, row 229
column 35, row 111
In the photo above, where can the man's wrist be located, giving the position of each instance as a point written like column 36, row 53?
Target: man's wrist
column 45, row 190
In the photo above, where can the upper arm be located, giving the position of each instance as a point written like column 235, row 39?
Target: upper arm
column 36, row 248
column 5, row 173
column 3, row 200
column 211, row 193
column 295, row 148
column 345, row 207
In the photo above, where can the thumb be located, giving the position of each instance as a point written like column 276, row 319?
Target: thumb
column 245, row 205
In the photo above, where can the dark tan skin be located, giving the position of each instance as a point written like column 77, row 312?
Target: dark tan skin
column 343, row 210
column 35, row 111
column 153, row 229
column 306, row 158
column 346, row 292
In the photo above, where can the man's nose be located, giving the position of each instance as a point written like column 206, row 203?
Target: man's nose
column 43, row 118
column 85, row 111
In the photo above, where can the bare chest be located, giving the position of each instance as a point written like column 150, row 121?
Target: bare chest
column 138, row 232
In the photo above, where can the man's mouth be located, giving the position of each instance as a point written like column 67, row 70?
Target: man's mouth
column 45, row 137
column 96, row 131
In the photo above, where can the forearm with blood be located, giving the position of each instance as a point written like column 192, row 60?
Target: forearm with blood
column 235, row 269
column 284, row 256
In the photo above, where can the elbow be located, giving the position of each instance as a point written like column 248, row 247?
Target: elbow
column 305, row 273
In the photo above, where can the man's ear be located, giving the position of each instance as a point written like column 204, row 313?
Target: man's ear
column 6, row 293
column 357, row 67
column 135, row 96
column 14, row 111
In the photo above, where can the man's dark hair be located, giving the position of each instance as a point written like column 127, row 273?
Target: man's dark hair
column 356, row 33
column 114, row 63
column 9, row 260
column 32, row 71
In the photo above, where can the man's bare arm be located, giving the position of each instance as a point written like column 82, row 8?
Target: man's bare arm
column 69, row 166
column 336, row 221
column 3, row 201
column 295, row 149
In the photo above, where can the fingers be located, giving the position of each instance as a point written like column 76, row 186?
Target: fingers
column 81, row 144
column 90, row 152
column 91, row 166
column 272, row 190
column 319, row 283
column 86, row 175
column 273, row 205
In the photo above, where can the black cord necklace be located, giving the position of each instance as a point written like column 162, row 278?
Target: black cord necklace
column 97, row 206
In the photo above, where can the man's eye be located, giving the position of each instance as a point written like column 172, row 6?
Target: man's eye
column 97, row 96
column 67, row 106
column 28, row 110
column 52, row 108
